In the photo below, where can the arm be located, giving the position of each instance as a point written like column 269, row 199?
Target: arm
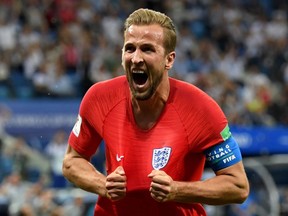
column 230, row 185
column 83, row 174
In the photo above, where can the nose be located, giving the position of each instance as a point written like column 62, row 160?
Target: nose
column 137, row 57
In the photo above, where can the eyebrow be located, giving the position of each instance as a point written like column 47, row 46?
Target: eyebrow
column 142, row 45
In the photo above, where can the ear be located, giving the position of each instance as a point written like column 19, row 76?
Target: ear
column 170, row 60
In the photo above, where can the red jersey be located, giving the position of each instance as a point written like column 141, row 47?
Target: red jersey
column 190, row 123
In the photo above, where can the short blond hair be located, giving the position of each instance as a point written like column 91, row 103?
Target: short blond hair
column 147, row 17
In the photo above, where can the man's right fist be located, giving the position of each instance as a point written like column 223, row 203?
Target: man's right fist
column 116, row 184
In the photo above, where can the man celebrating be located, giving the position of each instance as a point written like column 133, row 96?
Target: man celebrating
column 158, row 133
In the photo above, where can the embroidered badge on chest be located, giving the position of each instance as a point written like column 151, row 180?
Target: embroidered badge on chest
column 160, row 157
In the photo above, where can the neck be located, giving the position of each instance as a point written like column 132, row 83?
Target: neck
column 147, row 112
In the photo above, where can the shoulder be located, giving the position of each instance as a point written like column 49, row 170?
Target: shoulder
column 106, row 94
column 200, row 114
column 109, row 86
column 115, row 87
column 187, row 93
column 195, row 105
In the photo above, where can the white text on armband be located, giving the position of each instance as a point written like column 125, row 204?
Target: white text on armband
column 223, row 155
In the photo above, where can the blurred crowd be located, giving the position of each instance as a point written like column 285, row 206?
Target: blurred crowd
column 235, row 50
column 31, row 180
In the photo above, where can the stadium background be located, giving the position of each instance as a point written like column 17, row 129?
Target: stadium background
column 51, row 51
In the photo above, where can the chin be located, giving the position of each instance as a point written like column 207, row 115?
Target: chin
column 144, row 95
column 141, row 98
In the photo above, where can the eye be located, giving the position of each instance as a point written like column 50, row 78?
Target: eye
column 129, row 48
column 147, row 49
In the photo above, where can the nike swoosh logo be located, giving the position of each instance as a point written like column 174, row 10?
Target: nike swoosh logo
column 119, row 158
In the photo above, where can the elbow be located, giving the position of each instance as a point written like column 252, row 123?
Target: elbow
column 65, row 167
column 243, row 193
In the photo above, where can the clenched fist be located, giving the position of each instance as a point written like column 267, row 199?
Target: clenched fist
column 161, row 186
column 116, row 184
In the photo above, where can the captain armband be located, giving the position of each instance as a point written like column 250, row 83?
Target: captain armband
column 223, row 155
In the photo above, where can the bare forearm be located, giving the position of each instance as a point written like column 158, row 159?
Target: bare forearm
column 83, row 174
column 230, row 185
column 215, row 191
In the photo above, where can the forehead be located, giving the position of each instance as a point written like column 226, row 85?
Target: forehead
column 144, row 33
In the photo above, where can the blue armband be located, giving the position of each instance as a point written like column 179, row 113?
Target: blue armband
column 223, row 155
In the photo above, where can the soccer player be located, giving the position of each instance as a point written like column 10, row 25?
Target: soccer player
column 158, row 133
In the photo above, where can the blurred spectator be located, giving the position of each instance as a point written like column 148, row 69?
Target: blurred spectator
column 100, row 61
column 279, row 107
column 38, row 199
column 277, row 28
column 55, row 150
column 61, row 84
column 8, row 31
column 112, row 25
column 84, row 70
column 41, row 80
column 85, row 12
column 6, row 162
column 14, row 190
column 5, row 115
column 33, row 58
column 231, row 63
column 27, row 161
column 284, row 200
column 46, row 205
column 32, row 15
column 75, row 206
column 28, row 37
column 69, row 50
column 6, row 88
column 66, row 10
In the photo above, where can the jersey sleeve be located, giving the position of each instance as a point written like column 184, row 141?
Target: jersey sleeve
column 95, row 106
column 212, row 127
column 204, row 121
column 86, row 134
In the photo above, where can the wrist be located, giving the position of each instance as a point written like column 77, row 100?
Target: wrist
column 174, row 190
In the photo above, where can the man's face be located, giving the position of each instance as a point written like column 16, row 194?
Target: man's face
column 144, row 59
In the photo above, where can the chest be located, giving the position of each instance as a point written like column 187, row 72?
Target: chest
column 157, row 148
column 165, row 147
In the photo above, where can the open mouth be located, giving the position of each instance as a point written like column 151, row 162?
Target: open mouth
column 139, row 77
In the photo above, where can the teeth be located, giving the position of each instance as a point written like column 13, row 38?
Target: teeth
column 139, row 72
